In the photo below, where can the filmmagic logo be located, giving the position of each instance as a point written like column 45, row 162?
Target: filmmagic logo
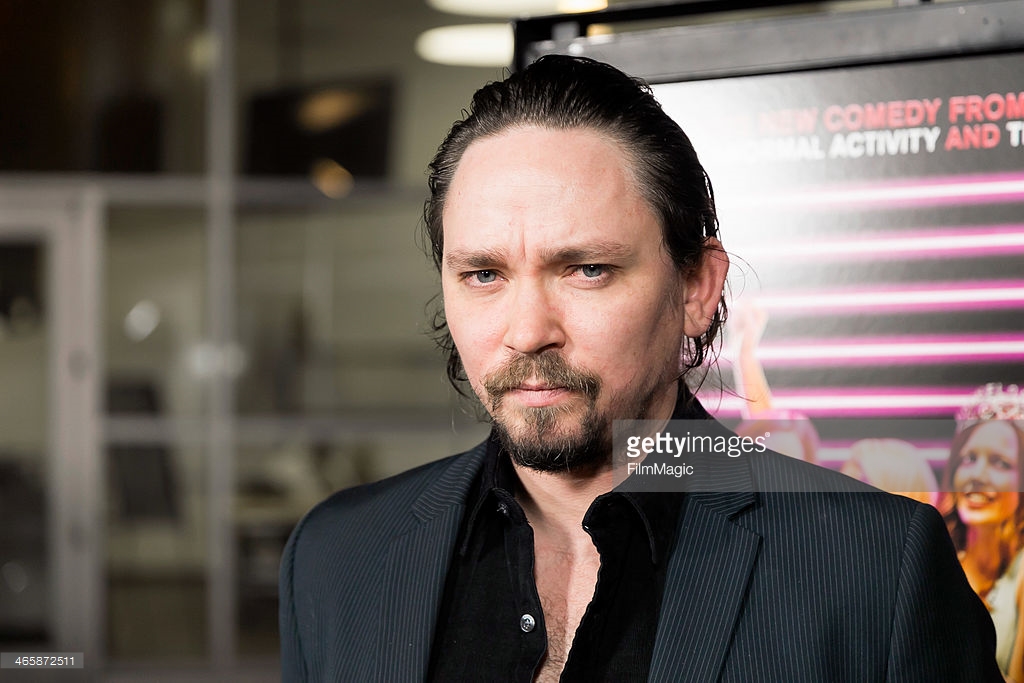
column 666, row 444
column 660, row 469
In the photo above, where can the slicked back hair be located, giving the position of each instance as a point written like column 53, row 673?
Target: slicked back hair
column 562, row 93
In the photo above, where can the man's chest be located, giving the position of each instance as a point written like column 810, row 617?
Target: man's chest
column 565, row 586
column 512, row 610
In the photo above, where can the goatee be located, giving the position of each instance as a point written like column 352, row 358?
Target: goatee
column 539, row 440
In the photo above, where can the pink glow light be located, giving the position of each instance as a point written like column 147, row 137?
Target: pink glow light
column 947, row 349
column 931, row 296
column 962, row 189
column 961, row 243
column 841, row 402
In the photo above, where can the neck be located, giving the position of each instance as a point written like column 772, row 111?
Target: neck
column 982, row 548
column 556, row 502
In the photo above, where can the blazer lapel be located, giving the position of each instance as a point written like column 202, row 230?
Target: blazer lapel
column 707, row 575
column 414, row 573
column 704, row 590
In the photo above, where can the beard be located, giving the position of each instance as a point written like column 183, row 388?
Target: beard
column 570, row 436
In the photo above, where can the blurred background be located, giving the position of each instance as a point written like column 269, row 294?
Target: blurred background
column 214, row 308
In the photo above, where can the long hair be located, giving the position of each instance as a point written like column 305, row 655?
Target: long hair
column 562, row 92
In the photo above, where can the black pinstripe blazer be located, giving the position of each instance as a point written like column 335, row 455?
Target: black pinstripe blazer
column 849, row 584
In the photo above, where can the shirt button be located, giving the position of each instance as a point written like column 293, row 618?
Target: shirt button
column 527, row 623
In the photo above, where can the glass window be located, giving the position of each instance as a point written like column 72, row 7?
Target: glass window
column 155, row 289
column 103, row 85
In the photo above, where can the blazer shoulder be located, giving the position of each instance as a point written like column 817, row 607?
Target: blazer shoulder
column 335, row 560
column 383, row 507
column 776, row 472
column 798, row 495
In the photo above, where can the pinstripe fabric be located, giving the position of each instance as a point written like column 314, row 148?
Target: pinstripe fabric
column 709, row 570
column 363, row 572
column 409, row 608
column 848, row 584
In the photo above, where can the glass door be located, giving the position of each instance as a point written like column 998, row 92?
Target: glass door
column 49, row 423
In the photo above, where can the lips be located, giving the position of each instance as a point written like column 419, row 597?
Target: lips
column 533, row 386
column 980, row 497
column 538, row 395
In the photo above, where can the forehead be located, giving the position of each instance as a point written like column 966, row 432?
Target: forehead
column 535, row 183
column 997, row 434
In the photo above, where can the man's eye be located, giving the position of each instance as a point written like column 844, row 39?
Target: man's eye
column 592, row 270
column 485, row 276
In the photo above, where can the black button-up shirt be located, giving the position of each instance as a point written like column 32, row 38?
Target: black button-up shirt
column 491, row 625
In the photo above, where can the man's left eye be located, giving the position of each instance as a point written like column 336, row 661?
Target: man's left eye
column 592, row 270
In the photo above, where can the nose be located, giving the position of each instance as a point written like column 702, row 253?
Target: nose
column 977, row 471
column 533, row 319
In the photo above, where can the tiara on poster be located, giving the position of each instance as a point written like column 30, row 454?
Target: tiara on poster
column 992, row 402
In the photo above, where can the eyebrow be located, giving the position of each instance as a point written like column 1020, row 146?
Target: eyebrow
column 465, row 259
column 597, row 252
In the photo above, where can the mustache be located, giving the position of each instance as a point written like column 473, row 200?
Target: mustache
column 549, row 368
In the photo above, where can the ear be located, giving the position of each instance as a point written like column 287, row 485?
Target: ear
column 704, row 288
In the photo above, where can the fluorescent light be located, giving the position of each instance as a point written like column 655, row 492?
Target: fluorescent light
column 967, row 241
column 516, row 8
column 947, row 349
column 966, row 189
column 847, row 402
column 467, row 45
column 936, row 296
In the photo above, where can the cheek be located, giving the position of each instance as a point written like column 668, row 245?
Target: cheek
column 642, row 321
column 473, row 332
column 613, row 343
column 1008, row 504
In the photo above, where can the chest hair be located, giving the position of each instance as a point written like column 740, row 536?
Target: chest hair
column 565, row 584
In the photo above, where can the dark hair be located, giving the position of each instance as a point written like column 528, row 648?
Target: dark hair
column 947, row 505
column 562, row 92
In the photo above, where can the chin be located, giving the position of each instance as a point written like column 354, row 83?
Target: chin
column 557, row 446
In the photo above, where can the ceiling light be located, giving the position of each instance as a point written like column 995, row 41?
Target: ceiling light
column 330, row 108
column 516, row 8
column 331, row 178
column 576, row 6
column 467, row 45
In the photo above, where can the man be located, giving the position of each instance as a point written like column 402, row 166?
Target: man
column 575, row 233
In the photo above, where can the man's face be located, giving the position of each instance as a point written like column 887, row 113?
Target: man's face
column 566, row 309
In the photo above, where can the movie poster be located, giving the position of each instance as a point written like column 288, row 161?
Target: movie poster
column 874, row 217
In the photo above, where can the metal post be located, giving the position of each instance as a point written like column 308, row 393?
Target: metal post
column 221, row 603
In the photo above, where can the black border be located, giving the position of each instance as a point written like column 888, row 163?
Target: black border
column 776, row 45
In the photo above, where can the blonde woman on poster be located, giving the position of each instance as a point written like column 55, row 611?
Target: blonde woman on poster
column 792, row 433
column 985, row 515
column 893, row 465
